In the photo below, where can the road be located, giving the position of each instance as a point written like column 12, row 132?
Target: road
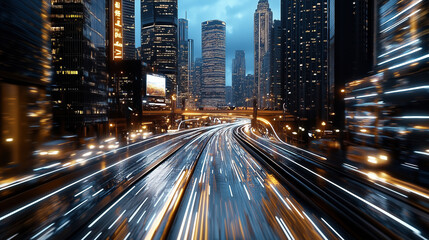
column 219, row 182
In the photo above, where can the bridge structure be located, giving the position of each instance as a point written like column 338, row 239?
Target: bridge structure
column 221, row 113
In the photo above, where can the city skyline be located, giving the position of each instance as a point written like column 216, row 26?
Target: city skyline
column 239, row 24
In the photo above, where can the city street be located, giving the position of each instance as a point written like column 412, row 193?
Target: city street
column 219, row 182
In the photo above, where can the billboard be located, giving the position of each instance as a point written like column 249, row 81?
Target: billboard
column 117, row 30
column 155, row 85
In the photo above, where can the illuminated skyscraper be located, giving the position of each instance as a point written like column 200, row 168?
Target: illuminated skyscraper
column 183, row 62
column 129, row 30
column 197, row 79
column 238, row 79
column 263, row 21
column 79, row 89
column 305, row 59
column 213, row 53
column 25, row 72
column 275, row 66
column 159, row 38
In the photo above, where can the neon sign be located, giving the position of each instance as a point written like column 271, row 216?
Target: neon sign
column 117, row 30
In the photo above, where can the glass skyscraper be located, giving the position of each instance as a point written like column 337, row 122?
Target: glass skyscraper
column 25, row 73
column 238, row 78
column 79, row 88
column 213, row 53
column 159, row 38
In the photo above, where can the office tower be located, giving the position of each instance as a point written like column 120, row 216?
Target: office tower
column 213, row 53
column 191, row 69
column 249, row 90
column 197, row 82
column 275, row 66
column 183, row 63
column 25, row 72
column 238, row 78
column 263, row 21
column 79, row 88
column 305, row 55
column 159, row 38
column 228, row 95
column 129, row 30
column 351, row 48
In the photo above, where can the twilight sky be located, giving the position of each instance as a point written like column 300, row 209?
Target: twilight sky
column 238, row 15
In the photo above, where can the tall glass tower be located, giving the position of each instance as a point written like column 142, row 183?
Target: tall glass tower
column 213, row 51
column 159, row 38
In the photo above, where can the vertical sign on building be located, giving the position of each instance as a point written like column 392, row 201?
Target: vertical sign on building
column 117, row 30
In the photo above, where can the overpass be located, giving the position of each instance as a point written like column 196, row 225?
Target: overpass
column 233, row 113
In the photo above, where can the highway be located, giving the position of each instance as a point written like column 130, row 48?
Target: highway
column 218, row 182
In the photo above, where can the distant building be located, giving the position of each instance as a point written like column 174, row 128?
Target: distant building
column 79, row 87
column 228, row 95
column 183, row 64
column 263, row 21
column 213, row 53
column 305, row 60
column 238, row 79
column 249, row 90
column 191, row 68
column 25, row 73
column 197, row 80
column 276, row 83
column 159, row 38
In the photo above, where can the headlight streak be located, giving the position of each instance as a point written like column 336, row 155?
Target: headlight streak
column 86, row 189
column 391, row 216
column 80, row 204
column 315, row 226
column 327, row 224
column 138, row 209
column 42, row 231
column 285, row 229
column 280, row 196
column 117, row 219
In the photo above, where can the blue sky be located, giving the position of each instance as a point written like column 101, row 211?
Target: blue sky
column 238, row 15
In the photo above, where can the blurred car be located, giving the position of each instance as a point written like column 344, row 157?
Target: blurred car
column 367, row 155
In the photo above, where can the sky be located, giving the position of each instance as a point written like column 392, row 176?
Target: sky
column 238, row 16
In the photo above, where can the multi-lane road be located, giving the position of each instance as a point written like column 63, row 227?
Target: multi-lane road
column 219, row 182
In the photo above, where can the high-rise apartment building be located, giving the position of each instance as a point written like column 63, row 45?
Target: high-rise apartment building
column 263, row 21
column 197, row 80
column 79, row 88
column 159, row 38
column 238, row 79
column 305, row 58
column 129, row 29
column 183, row 63
column 25, row 73
column 213, row 53
column 276, row 83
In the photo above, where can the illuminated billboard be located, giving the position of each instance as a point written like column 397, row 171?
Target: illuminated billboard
column 155, row 85
column 117, row 30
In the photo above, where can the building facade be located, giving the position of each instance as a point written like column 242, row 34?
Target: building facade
column 238, row 79
column 159, row 39
column 276, row 83
column 183, row 64
column 79, row 88
column 213, row 54
column 197, row 81
column 263, row 21
column 249, row 90
column 305, row 58
column 25, row 74
column 129, row 29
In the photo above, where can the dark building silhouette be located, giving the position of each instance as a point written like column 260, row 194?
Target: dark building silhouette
column 79, row 88
column 238, row 79
column 351, row 48
column 276, row 83
column 183, row 80
column 305, row 58
column 159, row 38
column 25, row 73
column 197, row 82
column 129, row 29
column 249, row 90
column 228, row 95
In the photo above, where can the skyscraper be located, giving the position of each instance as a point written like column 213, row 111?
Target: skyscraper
column 183, row 63
column 25, row 72
column 79, row 89
column 276, row 65
column 129, row 30
column 351, row 48
column 263, row 20
column 159, row 38
column 249, row 90
column 238, row 78
column 197, row 82
column 305, row 70
column 213, row 53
